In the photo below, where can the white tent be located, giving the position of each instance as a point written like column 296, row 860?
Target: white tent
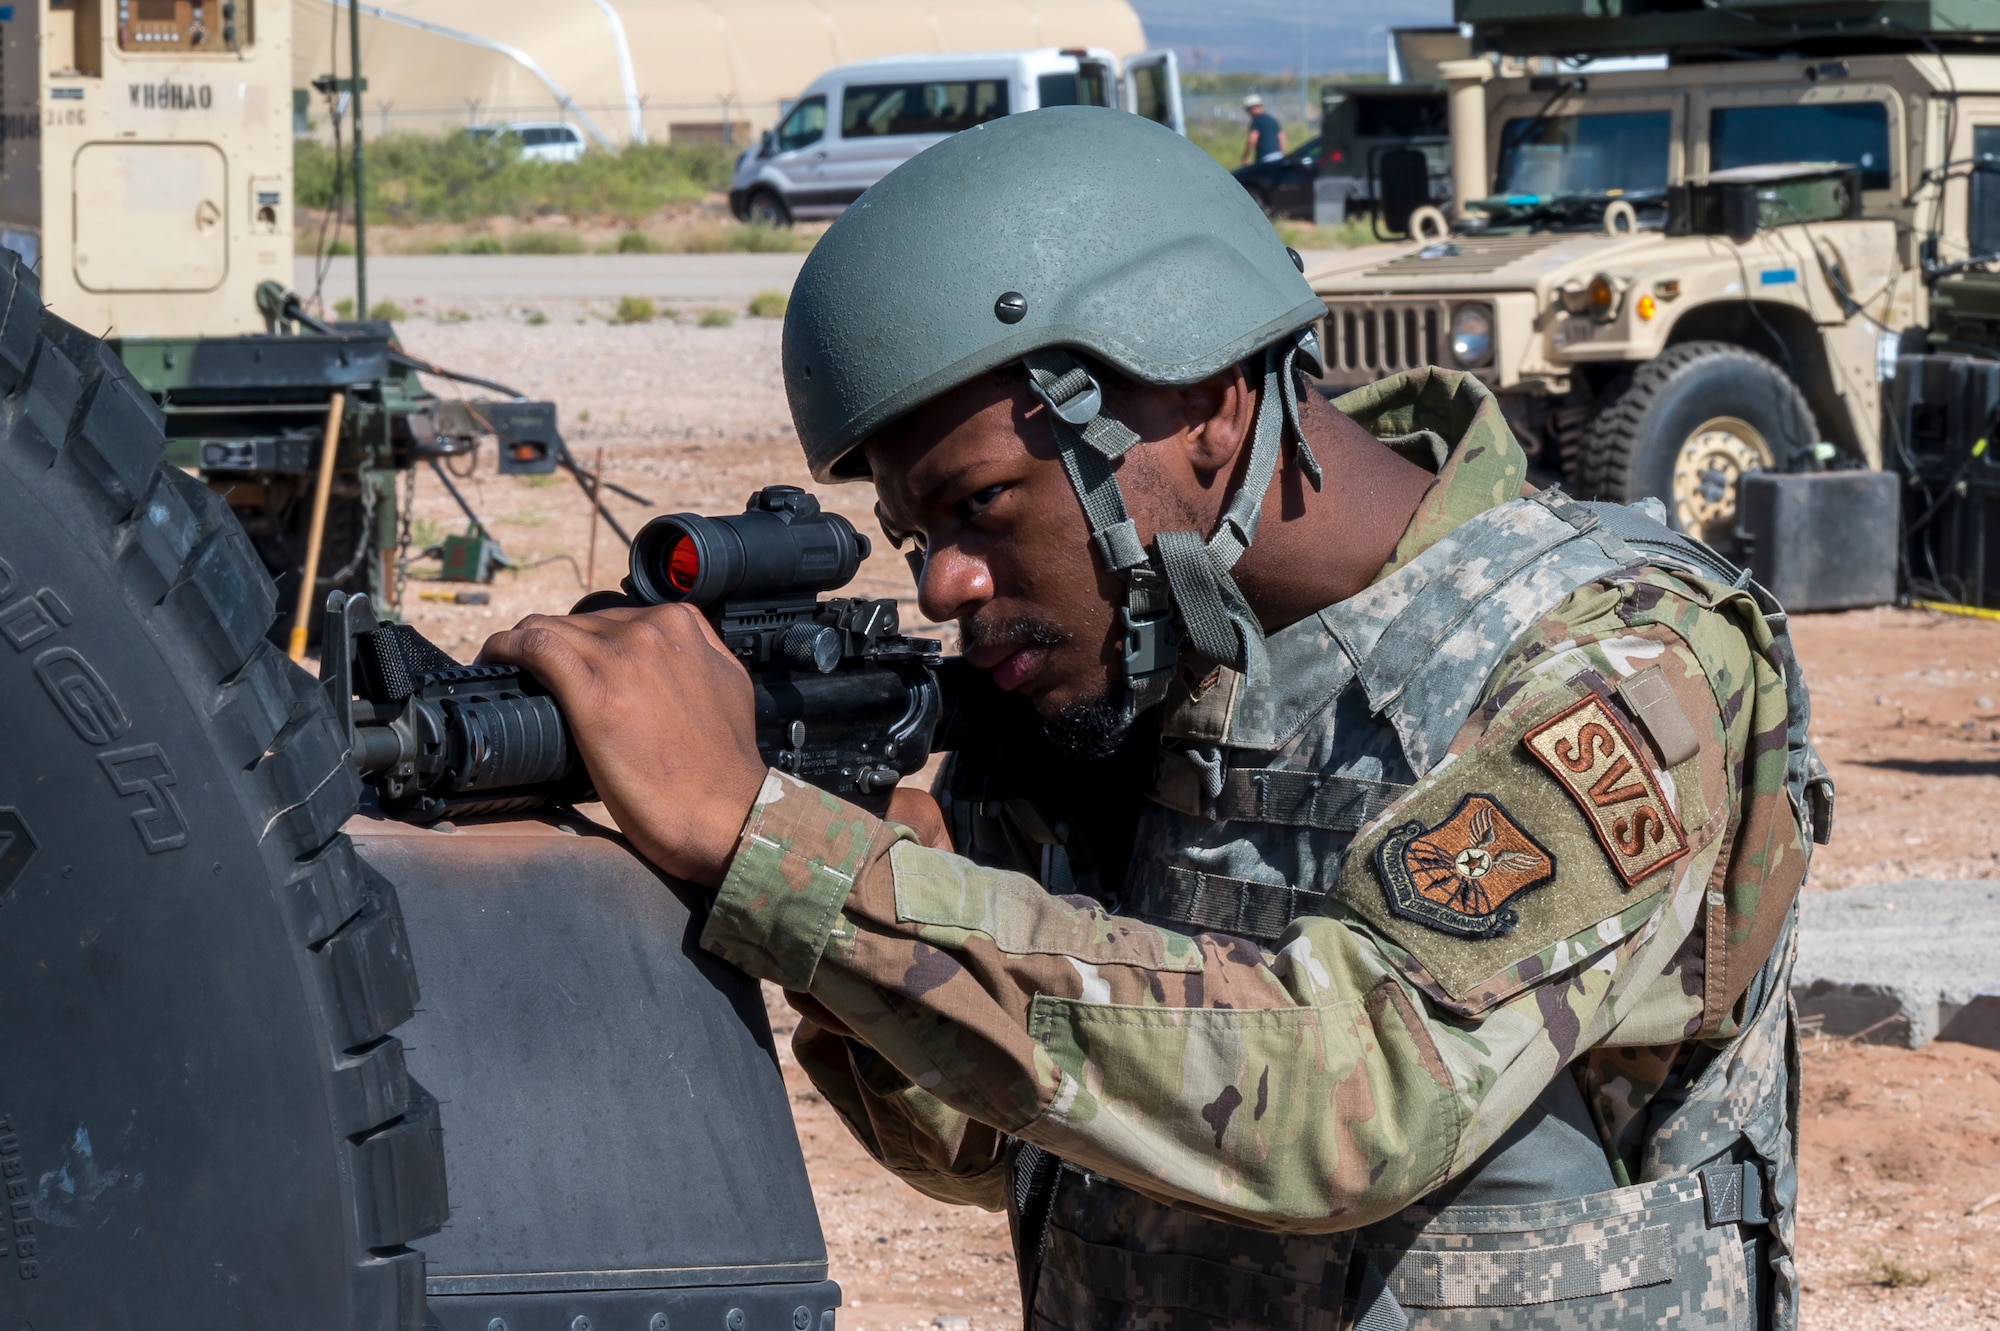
column 658, row 69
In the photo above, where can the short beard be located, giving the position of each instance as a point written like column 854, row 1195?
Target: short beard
column 1088, row 729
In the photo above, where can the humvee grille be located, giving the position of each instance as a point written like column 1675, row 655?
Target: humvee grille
column 1375, row 338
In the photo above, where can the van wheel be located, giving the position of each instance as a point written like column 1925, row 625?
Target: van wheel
column 203, row 980
column 1687, row 426
column 767, row 209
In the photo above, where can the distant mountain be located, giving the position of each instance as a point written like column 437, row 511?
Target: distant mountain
column 1269, row 35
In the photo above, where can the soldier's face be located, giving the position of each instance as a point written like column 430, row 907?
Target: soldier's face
column 973, row 486
column 999, row 541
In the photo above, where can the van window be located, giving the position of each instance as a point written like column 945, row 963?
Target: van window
column 804, row 126
column 1086, row 87
column 1854, row 133
column 881, row 109
column 1552, row 155
column 1149, row 89
column 536, row 137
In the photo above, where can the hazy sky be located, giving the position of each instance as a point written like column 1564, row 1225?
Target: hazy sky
column 1267, row 35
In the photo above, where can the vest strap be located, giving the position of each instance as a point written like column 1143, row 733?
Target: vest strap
column 1375, row 1308
column 1303, row 799
column 1522, row 1277
column 1197, row 902
column 1733, row 1194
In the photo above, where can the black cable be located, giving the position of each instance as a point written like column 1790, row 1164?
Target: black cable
column 409, row 362
column 464, row 507
column 552, row 559
column 563, row 456
column 568, row 464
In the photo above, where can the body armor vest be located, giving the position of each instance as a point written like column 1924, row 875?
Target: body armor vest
column 1253, row 803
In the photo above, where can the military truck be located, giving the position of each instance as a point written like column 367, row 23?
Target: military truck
column 1676, row 277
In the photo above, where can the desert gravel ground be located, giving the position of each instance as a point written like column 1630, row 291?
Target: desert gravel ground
column 1900, row 1190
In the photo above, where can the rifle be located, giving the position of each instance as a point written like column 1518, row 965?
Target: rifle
column 843, row 699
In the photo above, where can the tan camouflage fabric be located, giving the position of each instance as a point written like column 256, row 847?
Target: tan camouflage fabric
column 1333, row 1077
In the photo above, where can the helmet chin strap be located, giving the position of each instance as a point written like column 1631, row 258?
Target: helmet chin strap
column 1183, row 573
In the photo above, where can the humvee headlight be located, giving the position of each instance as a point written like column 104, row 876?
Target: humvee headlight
column 1601, row 297
column 1472, row 335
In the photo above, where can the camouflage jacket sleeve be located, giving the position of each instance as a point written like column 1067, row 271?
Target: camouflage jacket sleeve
column 1315, row 1087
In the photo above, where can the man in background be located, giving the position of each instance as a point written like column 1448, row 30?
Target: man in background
column 1266, row 140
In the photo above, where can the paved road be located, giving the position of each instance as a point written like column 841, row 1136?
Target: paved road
column 692, row 278
column 723, row 279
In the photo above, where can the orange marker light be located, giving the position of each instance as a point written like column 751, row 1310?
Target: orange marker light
column 1645, row 307
column 684, row 564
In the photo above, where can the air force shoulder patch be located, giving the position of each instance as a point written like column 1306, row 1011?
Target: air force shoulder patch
column 1605, row 770
column 1459, row 876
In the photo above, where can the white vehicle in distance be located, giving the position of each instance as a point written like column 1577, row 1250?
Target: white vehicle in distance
column 540, row 140
column 856, row 123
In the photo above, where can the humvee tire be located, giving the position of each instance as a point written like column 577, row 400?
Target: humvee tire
column 205, row 1119
column 1686, row 425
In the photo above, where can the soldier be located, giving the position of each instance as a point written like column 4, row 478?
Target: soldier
column 1391, row 925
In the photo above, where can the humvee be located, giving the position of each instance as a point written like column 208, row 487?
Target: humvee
column 1675, row 277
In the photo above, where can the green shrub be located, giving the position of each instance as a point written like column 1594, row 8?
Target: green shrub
column 758, row 239
column 344, row 308
column 535, row 318
column 716, row 319
column 634, row 310
column 634, row 242
column 544, row 242
column 415, row 178
column 387, row 309
column 769, row 305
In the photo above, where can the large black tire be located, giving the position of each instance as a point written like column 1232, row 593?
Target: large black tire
column 1686, row 425
column 205, row 1120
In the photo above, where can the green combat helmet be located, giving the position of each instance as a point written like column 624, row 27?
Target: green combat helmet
column 1030, row 239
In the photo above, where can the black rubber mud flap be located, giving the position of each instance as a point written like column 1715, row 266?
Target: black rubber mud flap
column 205, row 1120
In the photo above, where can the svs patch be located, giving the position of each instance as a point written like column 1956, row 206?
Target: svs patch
column 1600, row 764
column 1459, row 876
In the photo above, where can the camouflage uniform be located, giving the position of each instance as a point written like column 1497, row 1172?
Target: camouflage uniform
column 1447, row 979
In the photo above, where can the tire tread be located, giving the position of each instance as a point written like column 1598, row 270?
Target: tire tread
column 1610, row 454
column 191, row 575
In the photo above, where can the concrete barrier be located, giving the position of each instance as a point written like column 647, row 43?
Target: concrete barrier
column 1902, row 963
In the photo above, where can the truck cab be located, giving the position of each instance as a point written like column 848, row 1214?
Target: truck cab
column 1641, row 343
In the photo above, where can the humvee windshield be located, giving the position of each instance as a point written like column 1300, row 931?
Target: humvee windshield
column 1856, row 133
column 1589, row 154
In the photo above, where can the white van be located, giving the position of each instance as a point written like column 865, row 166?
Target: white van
column 856, row 123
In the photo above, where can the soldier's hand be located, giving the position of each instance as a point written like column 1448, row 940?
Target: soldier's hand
column 663, row 717
column 916, row 810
